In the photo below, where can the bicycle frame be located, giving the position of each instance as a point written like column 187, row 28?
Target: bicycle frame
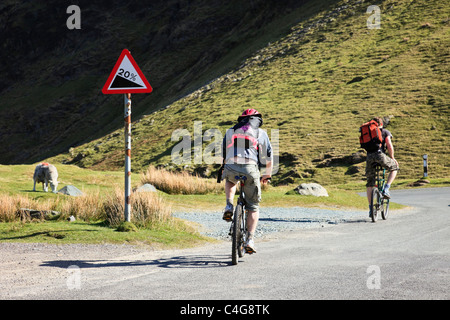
column 238, row 228
column 241, row 200
column 381, row 177
column 380, row 204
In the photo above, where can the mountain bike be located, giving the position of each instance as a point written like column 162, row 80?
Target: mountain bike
column 238, row 229
column 379, row 203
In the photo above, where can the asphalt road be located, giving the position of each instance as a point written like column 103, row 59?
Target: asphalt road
column 404, row 257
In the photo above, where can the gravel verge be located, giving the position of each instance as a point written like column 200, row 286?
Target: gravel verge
column 272, row 220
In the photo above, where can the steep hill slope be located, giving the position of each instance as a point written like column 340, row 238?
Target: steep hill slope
column 316, row 85
column 52, row 76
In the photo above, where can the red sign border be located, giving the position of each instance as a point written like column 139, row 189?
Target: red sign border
column 126, row 52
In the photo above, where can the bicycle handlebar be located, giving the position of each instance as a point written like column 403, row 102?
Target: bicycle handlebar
column 269, row 180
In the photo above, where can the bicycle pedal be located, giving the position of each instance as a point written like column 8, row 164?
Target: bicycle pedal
column 250, row 250
column 228, row 216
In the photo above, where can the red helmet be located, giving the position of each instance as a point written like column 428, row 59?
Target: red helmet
column 248, row 113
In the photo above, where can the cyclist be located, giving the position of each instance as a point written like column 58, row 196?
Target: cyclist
column 246, row 146
column 387, row 162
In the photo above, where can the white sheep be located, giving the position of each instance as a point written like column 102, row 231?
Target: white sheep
column 46, row 173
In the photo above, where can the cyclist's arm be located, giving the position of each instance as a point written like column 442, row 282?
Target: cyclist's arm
column 390, row 147
column 225, row 142
column 266, row 157
column 268, row 172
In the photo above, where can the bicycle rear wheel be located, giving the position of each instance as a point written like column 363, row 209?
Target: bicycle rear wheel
column 237, row 249
column 384, row 208
column 375, row 203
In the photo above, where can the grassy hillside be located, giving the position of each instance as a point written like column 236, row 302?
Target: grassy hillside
column 52, row 76
column 316, row 85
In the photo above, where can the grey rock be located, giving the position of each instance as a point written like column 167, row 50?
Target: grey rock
column 146, row 188
column 71, row 191
column 311, row 189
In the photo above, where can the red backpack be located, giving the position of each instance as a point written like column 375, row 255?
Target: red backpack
column 370, row 138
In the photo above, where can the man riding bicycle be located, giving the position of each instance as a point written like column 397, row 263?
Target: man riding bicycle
column 244, row 145
column 379, row 157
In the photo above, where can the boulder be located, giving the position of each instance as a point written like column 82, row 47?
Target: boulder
column 419, row 183
column 71, row 191
column 26, row 214
column 146, row 188
column 311, row 189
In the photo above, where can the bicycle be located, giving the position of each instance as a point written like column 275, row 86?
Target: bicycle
column 378, row 202
column 238, row 229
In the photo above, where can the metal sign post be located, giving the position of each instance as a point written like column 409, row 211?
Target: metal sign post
column 127, row 78
column 127, row 118
column 425, row 165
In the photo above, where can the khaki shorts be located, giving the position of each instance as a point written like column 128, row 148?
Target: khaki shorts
column 252, row 186
column 383, row 160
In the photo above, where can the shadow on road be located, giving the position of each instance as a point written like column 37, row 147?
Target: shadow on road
column 313, row 220
column 208, row 261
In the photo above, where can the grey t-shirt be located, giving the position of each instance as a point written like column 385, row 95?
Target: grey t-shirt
column 262, row 155
column 384, row 134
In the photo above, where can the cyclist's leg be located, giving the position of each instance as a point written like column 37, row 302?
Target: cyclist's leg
column 392, row 175
column 229, row 175
column 252, row 222
column 252, row 191
column 369, row 193
column 392, row 166
column 370, row 175
column 230, row 191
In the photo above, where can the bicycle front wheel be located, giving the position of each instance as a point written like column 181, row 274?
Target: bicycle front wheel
column 375, row 203
column 384, row 208
column 237, row 249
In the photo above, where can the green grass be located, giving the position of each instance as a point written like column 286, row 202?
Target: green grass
column 19, row 179
column 302, row 87
column 178, row 52
column 339, row 198
column 61, row 232
column 16, row 180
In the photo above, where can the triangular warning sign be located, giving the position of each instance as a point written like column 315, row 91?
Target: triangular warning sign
column 126, row 77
